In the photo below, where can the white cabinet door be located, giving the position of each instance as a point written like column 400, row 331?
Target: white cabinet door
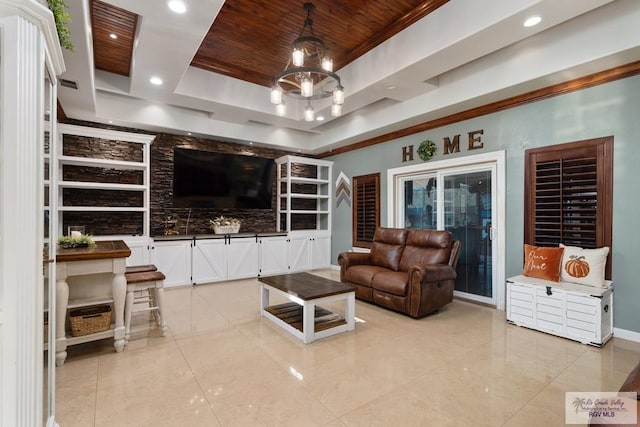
column 209, row 260
column 173, row 258
column 299, row 252
column 139, row 250
column 242, row 258
column 321, row 251
column 273, row 255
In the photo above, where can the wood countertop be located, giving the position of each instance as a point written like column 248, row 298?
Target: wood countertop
column 101, row 250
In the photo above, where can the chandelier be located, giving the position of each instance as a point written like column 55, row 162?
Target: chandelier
column 308, row 74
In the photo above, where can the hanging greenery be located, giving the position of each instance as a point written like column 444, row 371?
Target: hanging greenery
column 427, row 149
column 62, row 18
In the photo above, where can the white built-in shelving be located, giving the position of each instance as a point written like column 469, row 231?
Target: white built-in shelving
column 302, row 179
column 101, row 164
column 304, row 210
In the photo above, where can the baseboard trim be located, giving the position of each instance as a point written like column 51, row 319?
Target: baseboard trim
column 626, row 335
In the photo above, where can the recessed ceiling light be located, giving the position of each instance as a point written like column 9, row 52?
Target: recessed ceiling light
column 110, row 121
column 113, row 36
column 189, row 133
column 155, row 80
column 534, row 20
column 320, row 118
column 177, row 6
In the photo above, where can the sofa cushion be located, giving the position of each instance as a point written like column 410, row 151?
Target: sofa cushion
column 391, row 282
column 387, row 246
column 426, row 247
column 363, row 274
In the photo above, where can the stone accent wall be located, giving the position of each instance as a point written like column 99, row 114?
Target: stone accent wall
column 106, row 223
column 253, row 220
column 98, row 148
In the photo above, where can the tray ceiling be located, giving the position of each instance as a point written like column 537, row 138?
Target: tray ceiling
column 401, row 62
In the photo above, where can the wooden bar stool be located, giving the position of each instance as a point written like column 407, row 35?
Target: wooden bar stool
column 140, row 268
column 145, row 292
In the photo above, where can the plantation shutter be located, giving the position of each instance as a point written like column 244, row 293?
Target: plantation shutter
column 366, row 209
column 568, row 195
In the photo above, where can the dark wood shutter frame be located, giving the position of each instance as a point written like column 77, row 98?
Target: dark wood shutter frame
column 366, row 209
column 569, row 195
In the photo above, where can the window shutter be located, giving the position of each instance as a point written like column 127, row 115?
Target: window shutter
column 568, row 194
column 366, row 209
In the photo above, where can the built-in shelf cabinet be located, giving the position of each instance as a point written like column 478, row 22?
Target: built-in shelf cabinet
column 303, row 194
column 304, row 211
column 96, row 175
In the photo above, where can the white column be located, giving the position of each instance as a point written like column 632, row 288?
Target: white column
column 21, row 219
column 27, row 31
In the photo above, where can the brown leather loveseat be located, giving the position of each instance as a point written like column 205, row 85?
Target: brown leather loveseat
column 410, row 271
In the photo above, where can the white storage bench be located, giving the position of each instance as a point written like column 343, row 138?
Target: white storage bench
column 578, row 312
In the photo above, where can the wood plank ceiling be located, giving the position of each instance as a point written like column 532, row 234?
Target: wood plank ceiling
column 112, row 55
column 251, row 40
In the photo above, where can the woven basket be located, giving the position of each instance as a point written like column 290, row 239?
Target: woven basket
column 89, row 320
column 226, row 229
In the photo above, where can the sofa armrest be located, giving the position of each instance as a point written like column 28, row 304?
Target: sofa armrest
column 430, row 288
column 632, row 383
column 349, row 259
column 431, row 273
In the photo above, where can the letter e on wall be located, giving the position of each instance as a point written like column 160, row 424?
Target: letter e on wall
column 474, row 139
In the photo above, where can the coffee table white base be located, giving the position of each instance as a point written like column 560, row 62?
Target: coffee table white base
column 308, row 334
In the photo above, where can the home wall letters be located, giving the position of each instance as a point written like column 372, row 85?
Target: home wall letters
column 449, row 145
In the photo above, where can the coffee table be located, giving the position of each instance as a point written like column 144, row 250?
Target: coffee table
column 302, row 316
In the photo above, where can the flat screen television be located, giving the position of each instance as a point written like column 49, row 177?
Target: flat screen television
column 204, row 179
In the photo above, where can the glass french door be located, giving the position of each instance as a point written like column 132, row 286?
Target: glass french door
column 460, row 200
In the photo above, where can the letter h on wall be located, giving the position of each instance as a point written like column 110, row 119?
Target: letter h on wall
column 407, row 153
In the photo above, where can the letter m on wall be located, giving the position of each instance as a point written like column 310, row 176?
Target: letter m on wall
column 451, row 146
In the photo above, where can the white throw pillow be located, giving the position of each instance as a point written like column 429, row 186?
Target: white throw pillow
column 584, row 266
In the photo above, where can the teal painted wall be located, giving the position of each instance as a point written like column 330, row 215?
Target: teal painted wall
column 609, row 109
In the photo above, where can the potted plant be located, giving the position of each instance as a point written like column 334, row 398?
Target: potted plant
column 82, row 241
column 62, row 18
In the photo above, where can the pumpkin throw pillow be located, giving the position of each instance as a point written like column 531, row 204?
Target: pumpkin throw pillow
column 542, row 262
column 584, row 266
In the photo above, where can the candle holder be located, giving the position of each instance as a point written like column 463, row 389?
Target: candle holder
column 75, row 230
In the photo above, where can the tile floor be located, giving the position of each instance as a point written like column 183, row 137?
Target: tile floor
column 222, row 365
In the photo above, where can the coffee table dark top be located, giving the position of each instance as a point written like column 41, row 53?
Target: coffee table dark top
column 307, row 286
